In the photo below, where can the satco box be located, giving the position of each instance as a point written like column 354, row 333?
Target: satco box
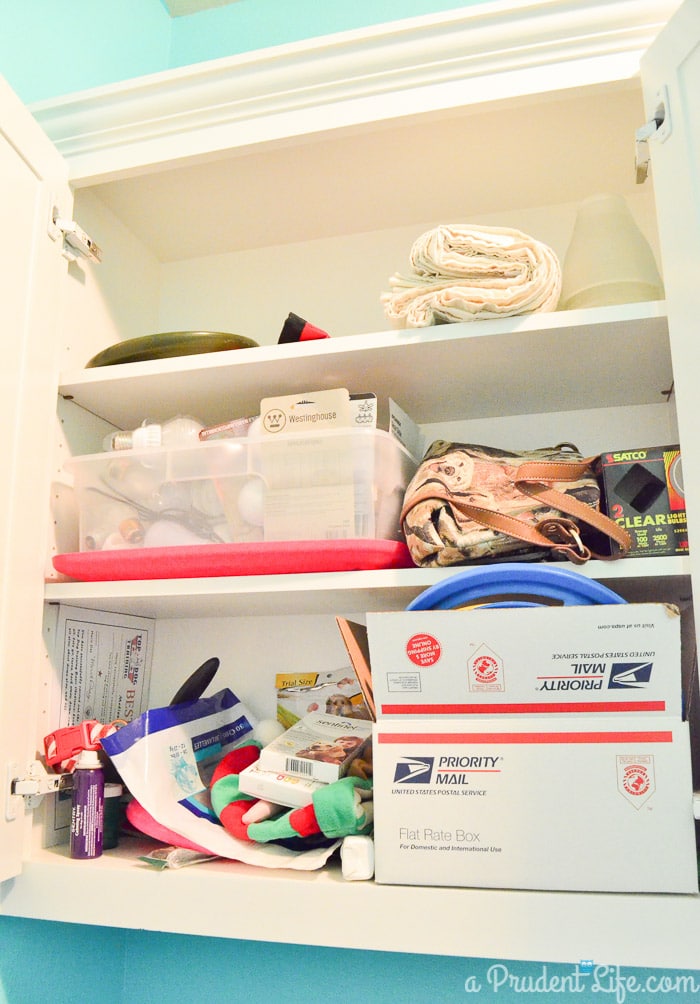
column 545, row 803
column 643, row 491
column 538, row 748
column 601, row 659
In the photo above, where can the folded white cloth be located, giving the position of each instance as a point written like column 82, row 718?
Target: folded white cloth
column 466, row 273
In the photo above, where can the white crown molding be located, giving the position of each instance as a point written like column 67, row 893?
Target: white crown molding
column 489, row 51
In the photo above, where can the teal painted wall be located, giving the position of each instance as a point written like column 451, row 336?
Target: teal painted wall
column 246, row 25
column 53, row 47
column 66, row 963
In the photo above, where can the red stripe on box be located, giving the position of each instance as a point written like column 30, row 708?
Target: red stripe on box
column 522, row 709
column 460, row 738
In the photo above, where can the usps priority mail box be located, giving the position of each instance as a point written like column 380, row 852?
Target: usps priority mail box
column 580, row 660
column 552, row 803
column 533, row 747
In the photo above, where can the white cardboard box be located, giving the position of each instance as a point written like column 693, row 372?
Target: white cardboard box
column 512, row 786
column 555, row 803
column 283, row 789
column 319, row 747
column 526, row 661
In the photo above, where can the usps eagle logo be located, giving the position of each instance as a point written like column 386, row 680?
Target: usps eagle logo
column 635, row 778
column 414, row 770
column 485, row 670
column 629, row 675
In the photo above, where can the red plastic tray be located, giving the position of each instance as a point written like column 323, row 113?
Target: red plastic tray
column 211, row 560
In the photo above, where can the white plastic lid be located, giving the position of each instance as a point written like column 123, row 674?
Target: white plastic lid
column 88, row 759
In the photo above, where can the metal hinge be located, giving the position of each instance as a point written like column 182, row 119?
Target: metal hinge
column 30, row 785
column 658, row 127
column 76, row 243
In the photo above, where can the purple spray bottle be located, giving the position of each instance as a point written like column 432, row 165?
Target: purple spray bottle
column 87, row 810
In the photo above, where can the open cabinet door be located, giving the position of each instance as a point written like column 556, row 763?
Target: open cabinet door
column 671, row 80
column 34, row 178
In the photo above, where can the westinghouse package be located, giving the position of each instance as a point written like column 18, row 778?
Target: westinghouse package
column 533, row 748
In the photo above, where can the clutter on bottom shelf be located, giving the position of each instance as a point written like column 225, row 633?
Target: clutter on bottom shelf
column 181, row 766
column 167, row 757
column 175, row 857
column 338, row 809
column 523, row 678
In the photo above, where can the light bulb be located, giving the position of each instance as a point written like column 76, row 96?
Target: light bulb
column 182, row 430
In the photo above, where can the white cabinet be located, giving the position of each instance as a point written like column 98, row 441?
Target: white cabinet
column 30, row 281
column 225, row 196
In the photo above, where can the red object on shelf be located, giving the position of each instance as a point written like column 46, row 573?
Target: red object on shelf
column 296, row 329
column 277, row 557
column 69, row 741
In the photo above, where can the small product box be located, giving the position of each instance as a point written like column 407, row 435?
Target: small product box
column 320, row 747
column 334, row 692
column 643, row 491
column 328, row 484
column 533, row 748
column 283, row 789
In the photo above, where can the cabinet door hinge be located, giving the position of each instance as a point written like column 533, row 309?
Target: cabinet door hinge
column 658, row 127
column 31, row 784
column 76, row 243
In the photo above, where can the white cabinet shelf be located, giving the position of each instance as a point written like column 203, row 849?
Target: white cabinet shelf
column 584, row 359
column 323, row 592
column 624, row 930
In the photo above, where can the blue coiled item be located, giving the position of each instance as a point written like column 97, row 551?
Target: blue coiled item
column 514, row 584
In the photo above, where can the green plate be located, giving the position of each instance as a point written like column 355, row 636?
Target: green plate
column 168, row 344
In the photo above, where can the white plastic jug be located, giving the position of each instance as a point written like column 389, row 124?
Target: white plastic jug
column 608, row 260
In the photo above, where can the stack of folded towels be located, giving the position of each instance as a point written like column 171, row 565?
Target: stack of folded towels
column 467, row 273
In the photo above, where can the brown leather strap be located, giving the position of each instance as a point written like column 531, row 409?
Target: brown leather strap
column 534, row 477
column 557, row 534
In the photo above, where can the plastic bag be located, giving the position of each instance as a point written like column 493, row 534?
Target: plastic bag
column 166, row 758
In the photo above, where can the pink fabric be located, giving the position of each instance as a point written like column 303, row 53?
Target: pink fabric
column 145, row 823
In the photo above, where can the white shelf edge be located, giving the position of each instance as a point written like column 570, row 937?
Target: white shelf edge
column 574, row 320
column 329, row 592
column 397, row 360
column 650, row 930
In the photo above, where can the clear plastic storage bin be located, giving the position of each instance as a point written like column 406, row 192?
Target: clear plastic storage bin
column 327, row 486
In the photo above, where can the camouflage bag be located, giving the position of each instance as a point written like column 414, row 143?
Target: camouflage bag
column 475, row 503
